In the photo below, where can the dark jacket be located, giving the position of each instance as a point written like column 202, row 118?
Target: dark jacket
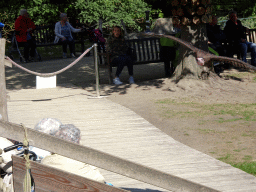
column 116, row 46
column 215, row 34
column 235, row 32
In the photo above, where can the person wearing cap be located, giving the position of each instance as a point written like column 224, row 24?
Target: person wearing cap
column 63, row 34
column 24, row 28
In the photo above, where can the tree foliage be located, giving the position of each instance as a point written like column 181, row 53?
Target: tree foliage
column 245, row 8
column 132, row 12
column 86, row 11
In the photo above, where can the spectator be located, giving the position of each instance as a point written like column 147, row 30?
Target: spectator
column 236, row 36
column 63, row 35
column 169, row 52
column 24, row 27
column 216, row 36
column 119, row 54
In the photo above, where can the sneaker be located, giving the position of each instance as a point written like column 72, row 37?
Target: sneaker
column 72, row 55
column 117, row 81
column 64, row 55
column 131, row 80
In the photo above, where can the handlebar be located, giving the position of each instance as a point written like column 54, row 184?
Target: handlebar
column 32, row 155
column 12, row 147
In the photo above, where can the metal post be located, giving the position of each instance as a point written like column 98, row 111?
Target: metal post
column 3, row 96
column 96, row 70
column 147, row 21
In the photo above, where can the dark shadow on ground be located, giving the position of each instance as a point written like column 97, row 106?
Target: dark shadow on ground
column 82, row 75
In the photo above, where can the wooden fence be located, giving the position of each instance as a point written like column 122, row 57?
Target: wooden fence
column 79, row 153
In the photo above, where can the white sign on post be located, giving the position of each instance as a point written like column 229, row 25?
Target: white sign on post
column 46, row 82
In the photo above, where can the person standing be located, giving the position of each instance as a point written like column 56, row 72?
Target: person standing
column 63, row 34
column 236, row 37
column 24, row 28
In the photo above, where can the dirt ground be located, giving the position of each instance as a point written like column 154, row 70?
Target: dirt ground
column 216, row 116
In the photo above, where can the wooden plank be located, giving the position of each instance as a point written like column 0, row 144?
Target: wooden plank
column 100, row 159
column 3, row 98
column 47, row 178
column 152, row 51
column 147, row 47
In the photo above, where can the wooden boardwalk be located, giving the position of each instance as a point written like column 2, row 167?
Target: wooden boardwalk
column 114, row 129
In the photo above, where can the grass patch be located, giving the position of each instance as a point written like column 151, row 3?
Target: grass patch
column 226, row 158
column 223, row 112
column 206, row 131
column 248, row 167
column 249, row 134
column 239, row 150
column 247, row 158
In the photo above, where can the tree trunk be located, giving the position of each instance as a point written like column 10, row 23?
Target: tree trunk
column 187, row 64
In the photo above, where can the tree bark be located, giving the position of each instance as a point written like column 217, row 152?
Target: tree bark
column 187, row 64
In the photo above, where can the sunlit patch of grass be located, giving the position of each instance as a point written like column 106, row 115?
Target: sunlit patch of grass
column 239, row 150
column 247, row 158
column 248, row 167
column 206, row 131
column 225, row 158
column 224, row 112
column 249, row 134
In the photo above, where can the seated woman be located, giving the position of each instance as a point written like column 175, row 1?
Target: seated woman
column 117, row 48
column 63, row 35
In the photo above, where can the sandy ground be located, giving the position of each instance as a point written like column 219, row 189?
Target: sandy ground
column 216, row 116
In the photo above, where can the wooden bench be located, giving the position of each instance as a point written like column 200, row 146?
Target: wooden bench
column 45, row 35
column 147, row 51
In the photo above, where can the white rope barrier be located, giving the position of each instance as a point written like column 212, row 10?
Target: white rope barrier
column 53, row 73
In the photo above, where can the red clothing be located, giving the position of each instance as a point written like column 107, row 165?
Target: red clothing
column 22, row 24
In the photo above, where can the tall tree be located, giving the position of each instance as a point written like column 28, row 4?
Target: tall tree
column 191, row 15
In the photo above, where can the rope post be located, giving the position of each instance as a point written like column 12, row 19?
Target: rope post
column 96, row 70
column 3, row 96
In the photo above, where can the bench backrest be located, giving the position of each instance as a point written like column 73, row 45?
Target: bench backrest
column 251, row 37
column 45, row 35
column 147, row 49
